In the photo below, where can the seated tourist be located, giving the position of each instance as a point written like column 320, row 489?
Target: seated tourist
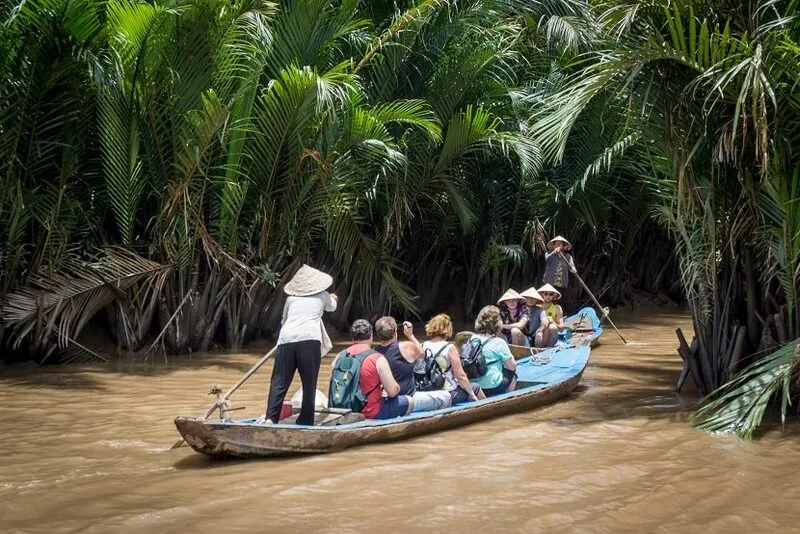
column 554, row 312
column 446, row 356
column 542, row 331
column 375, row 381
column 514, row 314
column 501, row 367
column 550, row 296
column 401, row 356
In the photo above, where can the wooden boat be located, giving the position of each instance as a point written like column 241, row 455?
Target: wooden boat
column 542, row 379
column 582, row 328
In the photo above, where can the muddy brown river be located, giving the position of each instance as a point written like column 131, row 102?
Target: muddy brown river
column 86, row 449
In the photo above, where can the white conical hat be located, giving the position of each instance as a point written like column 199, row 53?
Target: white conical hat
column 510, row 295
column 547, row 288
column 532, row 294
column 308, row 281
column 552, row 243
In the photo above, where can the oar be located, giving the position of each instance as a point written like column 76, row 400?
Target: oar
column 238, row 384
column 602, row 310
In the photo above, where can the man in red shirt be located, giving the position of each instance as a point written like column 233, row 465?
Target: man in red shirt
column 376, row 377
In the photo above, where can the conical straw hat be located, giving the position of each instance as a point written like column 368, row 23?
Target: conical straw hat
column 532, row 294
column 510, row 295
column 552, row 243
column 308, row 281
column 547, row 288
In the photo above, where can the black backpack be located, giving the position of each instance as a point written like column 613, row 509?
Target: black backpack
column 472, row 358
column 428, row 374
column 345, row 391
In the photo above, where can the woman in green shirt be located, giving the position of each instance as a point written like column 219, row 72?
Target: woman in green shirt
column 501, row 367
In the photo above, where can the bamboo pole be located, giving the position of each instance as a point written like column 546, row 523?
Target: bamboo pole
column 599, row 306
column 236, row 386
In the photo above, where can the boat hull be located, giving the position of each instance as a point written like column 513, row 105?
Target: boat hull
column 247, row 439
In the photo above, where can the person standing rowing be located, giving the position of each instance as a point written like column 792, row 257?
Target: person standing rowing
column 302, row 341
column 559, row 263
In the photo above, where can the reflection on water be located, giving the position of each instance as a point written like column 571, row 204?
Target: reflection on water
column 86, row 449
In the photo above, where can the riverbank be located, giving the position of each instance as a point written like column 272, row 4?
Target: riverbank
column 96, row 338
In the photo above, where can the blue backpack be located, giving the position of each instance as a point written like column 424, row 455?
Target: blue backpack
column 345, row 391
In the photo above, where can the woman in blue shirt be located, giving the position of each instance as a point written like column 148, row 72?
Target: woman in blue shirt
column 501, row 375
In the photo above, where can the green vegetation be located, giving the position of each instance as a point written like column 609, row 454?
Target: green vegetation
column 702, row 100
column 173, row 161
column 170, row 162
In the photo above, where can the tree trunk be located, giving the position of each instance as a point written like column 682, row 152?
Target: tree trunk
column 751, row 290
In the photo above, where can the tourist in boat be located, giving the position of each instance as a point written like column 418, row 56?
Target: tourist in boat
column 554, row 314
column 550, row 295
column 401, row 356
column 376, row 380
column 514, row 314
column 438, row 330
column 501, row 375
column 302, row 341
column 559, row 263
column 542, row 331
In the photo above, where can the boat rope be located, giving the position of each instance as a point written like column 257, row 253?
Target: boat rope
column 538, row 358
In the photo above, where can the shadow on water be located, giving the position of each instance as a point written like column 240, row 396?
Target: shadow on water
column 94, row 376
column 68, row 378
column 642, row 387
column 201, row 461
column 662, row 376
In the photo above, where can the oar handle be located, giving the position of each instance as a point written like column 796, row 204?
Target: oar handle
column 251, row 372
column 597, row 303
column 236, row 386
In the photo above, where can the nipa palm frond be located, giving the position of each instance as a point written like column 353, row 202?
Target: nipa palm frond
column 57, row 306
column 739, row 405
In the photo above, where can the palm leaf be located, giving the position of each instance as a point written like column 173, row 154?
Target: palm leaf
column 739, row 406
column 54, row 309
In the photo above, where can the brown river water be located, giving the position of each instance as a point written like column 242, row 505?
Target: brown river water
column 86, row 449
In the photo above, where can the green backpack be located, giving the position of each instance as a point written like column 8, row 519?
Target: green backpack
column 344, row 391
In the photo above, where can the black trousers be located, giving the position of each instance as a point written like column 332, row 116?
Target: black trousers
column 302, row 356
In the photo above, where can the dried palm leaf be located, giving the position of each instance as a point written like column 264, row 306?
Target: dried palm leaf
column 51, row 312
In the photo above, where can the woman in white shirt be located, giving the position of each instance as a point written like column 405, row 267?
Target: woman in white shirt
column 438, row 330
column 302, row 341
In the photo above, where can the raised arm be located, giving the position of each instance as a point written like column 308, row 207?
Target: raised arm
column 388, row 382
column 412, row 347
column 329, row 300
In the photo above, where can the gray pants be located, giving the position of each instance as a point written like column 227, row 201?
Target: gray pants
column 425, row 401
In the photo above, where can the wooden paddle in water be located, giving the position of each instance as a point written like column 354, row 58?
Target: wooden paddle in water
column 236, row 386
column 599, row 306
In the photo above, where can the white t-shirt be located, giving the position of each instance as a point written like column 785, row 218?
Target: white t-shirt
column 302, row 319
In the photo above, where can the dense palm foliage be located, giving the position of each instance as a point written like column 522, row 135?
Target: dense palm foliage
column 699, row 99
column 171, row 163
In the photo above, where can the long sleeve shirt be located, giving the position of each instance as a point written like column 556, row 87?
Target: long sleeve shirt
column 302, row 319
